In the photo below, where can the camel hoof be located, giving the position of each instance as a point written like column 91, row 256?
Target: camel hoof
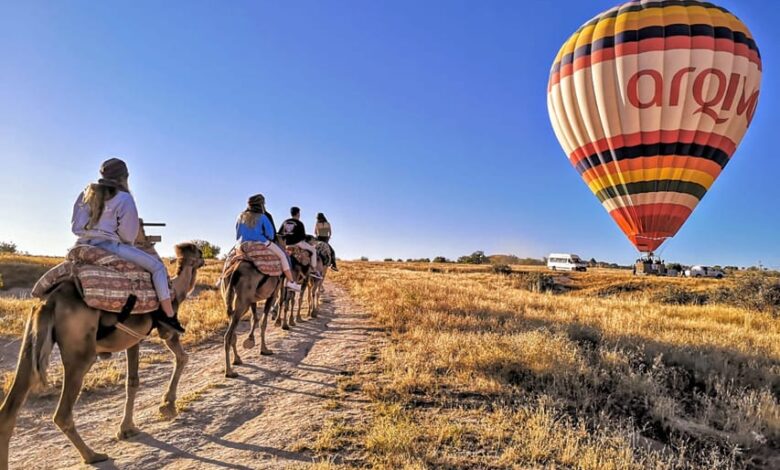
column 127, row 433
column 231, row 374
column 278, row 322
column 238, row 362
column 286, row 327
column 266, row 352
column 168, row 411
column 249, row 343
column 314, row 314
column 96, row 457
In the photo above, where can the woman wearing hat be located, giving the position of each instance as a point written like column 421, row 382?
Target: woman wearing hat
column 105, row 216
column 255, row 225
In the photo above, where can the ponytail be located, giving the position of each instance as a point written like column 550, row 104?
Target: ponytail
column 95, row 197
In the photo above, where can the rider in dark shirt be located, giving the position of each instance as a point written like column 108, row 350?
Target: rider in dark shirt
column 293, row 232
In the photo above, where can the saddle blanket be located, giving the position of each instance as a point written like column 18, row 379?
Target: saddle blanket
column 104, row 280
column 256, row 253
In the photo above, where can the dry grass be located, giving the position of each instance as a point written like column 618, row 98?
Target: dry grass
column 481, row 373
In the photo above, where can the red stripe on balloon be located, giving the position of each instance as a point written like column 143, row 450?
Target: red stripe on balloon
column 651, row 138
column 649, row 225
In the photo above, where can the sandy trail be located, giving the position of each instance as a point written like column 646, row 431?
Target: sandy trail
column 264, row 419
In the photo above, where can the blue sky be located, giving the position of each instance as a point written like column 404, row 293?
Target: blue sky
column 418, row 128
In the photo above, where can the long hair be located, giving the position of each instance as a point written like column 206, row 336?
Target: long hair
column 321, row 218
column 251, row 215
column 96, row 195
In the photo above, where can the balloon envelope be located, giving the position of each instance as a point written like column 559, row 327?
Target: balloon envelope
column 649, row 100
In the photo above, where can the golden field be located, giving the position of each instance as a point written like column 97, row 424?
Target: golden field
column 479, row 372
column 476, row 371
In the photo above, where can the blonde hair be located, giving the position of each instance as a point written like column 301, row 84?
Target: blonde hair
column 95, row 197
column 250, row 218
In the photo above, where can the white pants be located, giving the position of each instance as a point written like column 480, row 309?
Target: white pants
column 303, row 244
column 281, row 254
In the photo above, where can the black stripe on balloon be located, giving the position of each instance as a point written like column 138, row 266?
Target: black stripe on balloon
column 682, row 149
column 654, row 186
column 634, row 35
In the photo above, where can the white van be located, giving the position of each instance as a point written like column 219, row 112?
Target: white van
column 704, row 271
column 566, row 262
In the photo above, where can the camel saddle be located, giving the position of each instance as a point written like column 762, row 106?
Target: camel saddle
column 106, row 281
column 302, row 256
column 256, row 253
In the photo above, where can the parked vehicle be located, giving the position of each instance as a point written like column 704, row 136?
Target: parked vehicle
column 704, row 271
column 566, row 262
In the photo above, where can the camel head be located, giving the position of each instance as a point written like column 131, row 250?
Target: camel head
column 188, row 257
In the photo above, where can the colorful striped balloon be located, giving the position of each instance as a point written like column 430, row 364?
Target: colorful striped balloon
column 649, row 100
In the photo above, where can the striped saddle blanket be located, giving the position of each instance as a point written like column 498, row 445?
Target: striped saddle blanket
column 256, row 253
column 302, row 256
column 104, row 280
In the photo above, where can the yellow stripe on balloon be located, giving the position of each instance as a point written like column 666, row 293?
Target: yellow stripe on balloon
column 651, row 174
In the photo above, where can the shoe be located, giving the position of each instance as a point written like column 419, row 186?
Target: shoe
column 172, row 322
column 316, row 275
column 294, row 286
column 334, row 268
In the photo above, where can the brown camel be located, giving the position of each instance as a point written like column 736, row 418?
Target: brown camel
column 324, row 258
column 65, row 319
column 287, row 313
column 241, row 291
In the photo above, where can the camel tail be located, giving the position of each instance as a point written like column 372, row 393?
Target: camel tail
column 39, row 334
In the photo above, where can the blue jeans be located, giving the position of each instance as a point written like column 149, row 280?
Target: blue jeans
column 141, row 258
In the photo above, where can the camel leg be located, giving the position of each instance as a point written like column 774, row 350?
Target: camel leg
column 298, row 316
column 76, row 364
column 168, row 406
column 229, row 335
column 286, row 309
column 127, row 428
column 263, row 349
column 249, row 342
column 15, row 400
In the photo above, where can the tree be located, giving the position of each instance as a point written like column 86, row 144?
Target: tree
column 478, row 257
column 8, row 247
column 364, row 258
column 440, row 259
column 209, row 250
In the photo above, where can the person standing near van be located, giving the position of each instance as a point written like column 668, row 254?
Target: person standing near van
column 323, row 232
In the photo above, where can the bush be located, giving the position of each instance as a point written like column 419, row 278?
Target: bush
column 388, row 260
column 364, row 258
column 8, row 247
column 209, row 250
column 440, row 259
column 675, row 295
column 504, row 269
column 754, row 291
column 536, row 282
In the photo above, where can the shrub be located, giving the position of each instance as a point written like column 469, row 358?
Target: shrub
column 536, row 282
column 504, row 269
column 754, row 291
column 388, row 260
column 440, row 259
column 209, row 250
column 676, row 295
column 8, row 247
column 364, row 258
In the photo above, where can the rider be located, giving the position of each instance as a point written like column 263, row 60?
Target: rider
column 323, row 232
column 293, row 233
column 105, row 216
column 255, row 225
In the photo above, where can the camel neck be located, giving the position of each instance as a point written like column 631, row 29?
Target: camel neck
column 182, row 283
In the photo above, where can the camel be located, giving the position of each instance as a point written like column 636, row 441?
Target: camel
column 316, row 286
column 286, row 317
column 241, row 291
column 65, row 319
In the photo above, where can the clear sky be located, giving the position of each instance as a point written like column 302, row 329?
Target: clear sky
column 419, row 128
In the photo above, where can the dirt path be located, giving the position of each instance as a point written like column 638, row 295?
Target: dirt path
column 267, row 418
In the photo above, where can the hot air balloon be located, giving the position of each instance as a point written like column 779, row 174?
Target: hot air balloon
column 650, row 100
